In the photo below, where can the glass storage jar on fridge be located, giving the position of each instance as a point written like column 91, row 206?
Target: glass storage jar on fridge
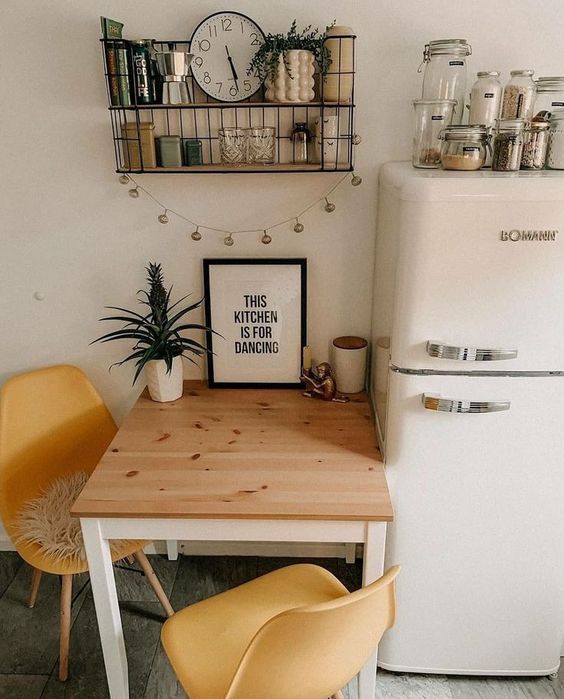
column 508, row 144
column 535, row 146
column 431, row 116
column 550, row 94
column 555, row 154
column 485, row 98
column 464, row 147
column 519, row 95
column 445, row 72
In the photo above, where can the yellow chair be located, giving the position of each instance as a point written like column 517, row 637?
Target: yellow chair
column 53, row 423
column 296, row 633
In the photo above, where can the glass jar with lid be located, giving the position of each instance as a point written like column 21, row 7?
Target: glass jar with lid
column 464, row 147
column 445, row 72
column 550, row 94
column 485, row 98
column 535, row 146
column 555, row 155
column 519, row 95
column 431, row 117
column 508, row 144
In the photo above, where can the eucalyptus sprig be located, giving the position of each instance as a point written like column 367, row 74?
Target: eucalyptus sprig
column 266, row 60
column 157, row 333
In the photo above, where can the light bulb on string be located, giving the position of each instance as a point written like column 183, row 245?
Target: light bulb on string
column 356, row 180
column 356, row 139
column 196, row 235
column 133, row 193
column 329, row 206
column 299, row 227
column 163, row 218
column 123, row 179
column 228, row 240
column 266, row 239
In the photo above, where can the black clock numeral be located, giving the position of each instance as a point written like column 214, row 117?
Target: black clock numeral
column 214, row 28
column 220, row 86
column 198, row 61
column 242, row 28
column 233, row 91
column 255, row 39
column 247, row 84
column 204, row 45
column 226, row 24
column 207, row 78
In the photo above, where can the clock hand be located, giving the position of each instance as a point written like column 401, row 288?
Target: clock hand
column 235, row 76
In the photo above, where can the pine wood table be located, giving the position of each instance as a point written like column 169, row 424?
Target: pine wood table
column 233, row 465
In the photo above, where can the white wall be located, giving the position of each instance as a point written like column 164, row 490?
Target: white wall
column 69, row 230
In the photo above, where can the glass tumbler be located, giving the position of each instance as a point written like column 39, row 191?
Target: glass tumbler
column 233, row 145
column 262, row 145
column 431, row 117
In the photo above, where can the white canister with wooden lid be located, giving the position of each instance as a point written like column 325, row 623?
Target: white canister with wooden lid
column 338, row 81
column 349, row 363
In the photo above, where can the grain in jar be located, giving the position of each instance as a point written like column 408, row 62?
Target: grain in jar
column 464, row 147
column 508, row 145
column 555, row 154
column 431, row 116
column 535, row 145
column 519, row 95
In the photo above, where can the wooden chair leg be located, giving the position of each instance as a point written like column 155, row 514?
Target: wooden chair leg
column 339, row 695
column 65, row 616
column 35, row 582
column 151, row 576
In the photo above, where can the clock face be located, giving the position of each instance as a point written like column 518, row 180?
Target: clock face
column 223, row 46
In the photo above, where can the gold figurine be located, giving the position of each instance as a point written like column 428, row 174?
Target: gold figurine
column 321, row 383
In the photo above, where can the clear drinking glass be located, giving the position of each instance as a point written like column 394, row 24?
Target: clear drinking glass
column 261, row 145
column 431, row 117
column 233, row 145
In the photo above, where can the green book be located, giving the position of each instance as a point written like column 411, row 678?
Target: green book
column 111, row 29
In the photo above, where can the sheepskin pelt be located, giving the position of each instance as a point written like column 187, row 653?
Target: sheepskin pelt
column 46, row 520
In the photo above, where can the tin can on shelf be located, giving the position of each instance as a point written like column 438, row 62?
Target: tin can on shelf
column 169, row 151
column 134, row 135
column 193, row 152
column 143, row 81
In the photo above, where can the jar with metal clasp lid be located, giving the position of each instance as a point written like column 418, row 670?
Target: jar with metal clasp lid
column 464, row 147
column 550, row 94
column 445, row 72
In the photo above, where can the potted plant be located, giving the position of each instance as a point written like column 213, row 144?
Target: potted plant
column 287, row 64
column 159, row 335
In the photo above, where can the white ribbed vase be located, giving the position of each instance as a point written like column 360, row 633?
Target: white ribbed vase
column 295, row 84
column 164, row 387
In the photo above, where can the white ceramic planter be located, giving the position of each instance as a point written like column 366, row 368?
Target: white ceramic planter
column 349, row 363
column 298, row 84
column 164, row 387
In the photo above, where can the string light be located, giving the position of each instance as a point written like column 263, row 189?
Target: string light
column 123, row 179
column 356, row 139
column 228, row 240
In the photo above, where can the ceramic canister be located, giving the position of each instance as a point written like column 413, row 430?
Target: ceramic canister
column 349, row 363
column 338, row 82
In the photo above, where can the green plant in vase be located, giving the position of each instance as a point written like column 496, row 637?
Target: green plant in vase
column 160, row 339
column 287, row 63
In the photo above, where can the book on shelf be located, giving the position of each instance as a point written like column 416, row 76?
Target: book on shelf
column 116, row 62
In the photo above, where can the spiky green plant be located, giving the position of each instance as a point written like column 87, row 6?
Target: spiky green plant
column 265, row 61
column 157, row 334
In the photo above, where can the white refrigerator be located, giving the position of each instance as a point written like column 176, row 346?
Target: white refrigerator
column 468, row 384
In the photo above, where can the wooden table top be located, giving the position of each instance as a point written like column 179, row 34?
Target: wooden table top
column 241, row 453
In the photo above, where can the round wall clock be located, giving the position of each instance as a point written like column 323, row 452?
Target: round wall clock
column 223, row 46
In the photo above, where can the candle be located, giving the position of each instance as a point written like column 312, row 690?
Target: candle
column 306, row 359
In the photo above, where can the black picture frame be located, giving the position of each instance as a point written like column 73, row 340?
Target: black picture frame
column 214, row 343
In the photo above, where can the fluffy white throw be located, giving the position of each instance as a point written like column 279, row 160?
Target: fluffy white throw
column 46, row 520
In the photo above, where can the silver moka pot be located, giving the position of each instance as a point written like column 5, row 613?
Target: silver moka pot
column 174, row 67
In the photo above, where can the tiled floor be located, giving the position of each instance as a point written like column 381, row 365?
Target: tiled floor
column 29, row 637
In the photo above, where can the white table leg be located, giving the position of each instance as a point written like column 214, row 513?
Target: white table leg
column 172, row 549
column 107, row 609
column 373, row 567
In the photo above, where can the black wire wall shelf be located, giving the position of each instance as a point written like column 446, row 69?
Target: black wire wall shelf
column 136, row 126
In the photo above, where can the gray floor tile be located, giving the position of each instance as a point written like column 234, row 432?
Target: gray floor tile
column 133, row 587
column 162, row 682
column 392, row 685
column 10, row 563
column 501, row 688
column 142, row 623
column 22, row 686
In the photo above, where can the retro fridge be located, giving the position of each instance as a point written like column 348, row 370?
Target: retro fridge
column 468, row 384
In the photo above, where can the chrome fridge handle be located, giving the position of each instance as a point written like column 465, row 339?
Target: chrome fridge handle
column 449, row 405
column 468, row 354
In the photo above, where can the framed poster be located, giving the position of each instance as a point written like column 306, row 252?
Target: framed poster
column 258, row 306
